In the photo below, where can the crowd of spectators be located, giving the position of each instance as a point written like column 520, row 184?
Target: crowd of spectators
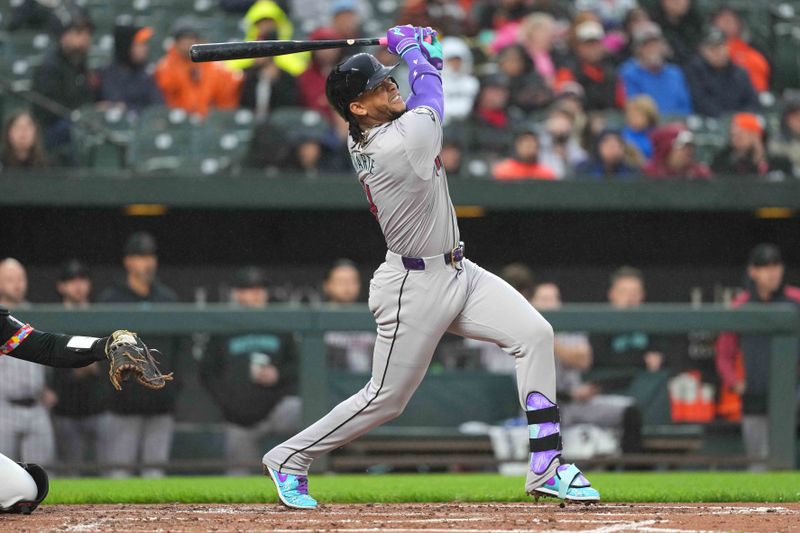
column 539, row 89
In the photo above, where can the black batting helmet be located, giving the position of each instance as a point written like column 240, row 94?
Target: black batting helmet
column 351, row 78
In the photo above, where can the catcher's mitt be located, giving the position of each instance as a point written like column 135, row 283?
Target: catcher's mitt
column 128, row 355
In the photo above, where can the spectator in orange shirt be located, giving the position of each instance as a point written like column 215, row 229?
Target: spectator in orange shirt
column 195, row 87
column 524, row 163
column 742, row 54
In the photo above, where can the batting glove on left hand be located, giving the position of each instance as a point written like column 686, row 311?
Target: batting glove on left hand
column 401, row 39
column 431, row 47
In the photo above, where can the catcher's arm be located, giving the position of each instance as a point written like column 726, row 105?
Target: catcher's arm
column 129, row 356
column 22, row 341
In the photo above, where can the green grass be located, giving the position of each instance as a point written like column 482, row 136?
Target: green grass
column 614, row 487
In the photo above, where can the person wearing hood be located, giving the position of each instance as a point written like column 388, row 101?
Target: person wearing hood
column 126, row 80
column 746, row 153
column 609, row 159
column 524, row 164
column 529, row 90
column 312, row 82
column 787, row 141
column 682, row 24
column 674, row 156
column 459, row 85
column 718, row 86
column 64, row 77
column 265, row 20
column 195, row 87
column 649, row 73
column 764, row 285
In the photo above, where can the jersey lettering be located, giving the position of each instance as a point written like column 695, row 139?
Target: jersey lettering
column 362, row 162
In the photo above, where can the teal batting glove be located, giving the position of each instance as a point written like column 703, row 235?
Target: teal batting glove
column 430, row 46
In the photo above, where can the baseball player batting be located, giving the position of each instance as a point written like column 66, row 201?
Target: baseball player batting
column 426, row 286
column 25, row 486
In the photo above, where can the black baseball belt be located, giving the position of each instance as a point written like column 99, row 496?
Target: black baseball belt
column 456, row 255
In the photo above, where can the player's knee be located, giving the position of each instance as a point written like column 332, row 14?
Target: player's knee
column 538, row 335
column 393, row 406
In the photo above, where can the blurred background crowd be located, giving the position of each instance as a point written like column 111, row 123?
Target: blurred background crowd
column 534, row 89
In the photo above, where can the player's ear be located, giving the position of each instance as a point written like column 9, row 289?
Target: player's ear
column 358, row 109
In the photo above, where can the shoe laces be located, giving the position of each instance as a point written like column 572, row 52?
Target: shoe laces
column 302, row 485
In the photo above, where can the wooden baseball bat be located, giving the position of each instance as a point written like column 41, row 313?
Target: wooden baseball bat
column 250, row 49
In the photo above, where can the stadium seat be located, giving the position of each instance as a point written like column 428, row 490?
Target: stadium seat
column 710, row 135
column 164, row 139
column 18, row 71
column 101, row 137
column 223, row 140
column 296, row 118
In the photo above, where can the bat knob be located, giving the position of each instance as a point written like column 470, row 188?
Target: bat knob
column 383, row 41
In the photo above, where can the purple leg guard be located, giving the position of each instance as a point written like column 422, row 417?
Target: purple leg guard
column 544, row 426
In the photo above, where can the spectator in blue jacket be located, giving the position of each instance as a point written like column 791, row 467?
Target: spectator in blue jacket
column 718, row 86
column 609, row 159
column 126, row 80
column 649, row 73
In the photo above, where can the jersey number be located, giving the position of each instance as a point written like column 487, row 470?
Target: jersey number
column 372, row 207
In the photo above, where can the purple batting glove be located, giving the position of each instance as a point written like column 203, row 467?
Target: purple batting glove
column 401, row 39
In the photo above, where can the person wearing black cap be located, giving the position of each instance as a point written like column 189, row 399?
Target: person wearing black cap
column 252, row 377
column 64, row 76
column 74, row 284
column 141, row 423
column 718, row 86
column 81, row 391
column 127, row 81
column 141, row 264
column 765, row 284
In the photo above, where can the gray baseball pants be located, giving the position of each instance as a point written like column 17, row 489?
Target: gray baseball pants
column 413, row 310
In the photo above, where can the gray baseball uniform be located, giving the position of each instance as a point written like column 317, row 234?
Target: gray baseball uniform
column 404, row 181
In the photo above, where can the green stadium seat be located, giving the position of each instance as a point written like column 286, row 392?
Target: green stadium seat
column 710, row 135
column 478, row 166
column 164, row 139
column 18, row 71
column 101, row 137
column 296, row 119
column 26, row 44
column 224, row 140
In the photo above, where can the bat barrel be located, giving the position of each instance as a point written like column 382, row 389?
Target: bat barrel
column 253, row 49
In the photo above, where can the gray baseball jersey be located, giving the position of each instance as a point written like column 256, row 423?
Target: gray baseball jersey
column 399, row 168
column 398, row 165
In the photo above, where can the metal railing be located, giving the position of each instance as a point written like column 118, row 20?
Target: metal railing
column 781, row 322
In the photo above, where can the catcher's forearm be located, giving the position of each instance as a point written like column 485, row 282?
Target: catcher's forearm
column 61, row 351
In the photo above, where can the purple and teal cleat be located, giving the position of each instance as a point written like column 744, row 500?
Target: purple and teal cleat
column 292, row 489
column 568, row 484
